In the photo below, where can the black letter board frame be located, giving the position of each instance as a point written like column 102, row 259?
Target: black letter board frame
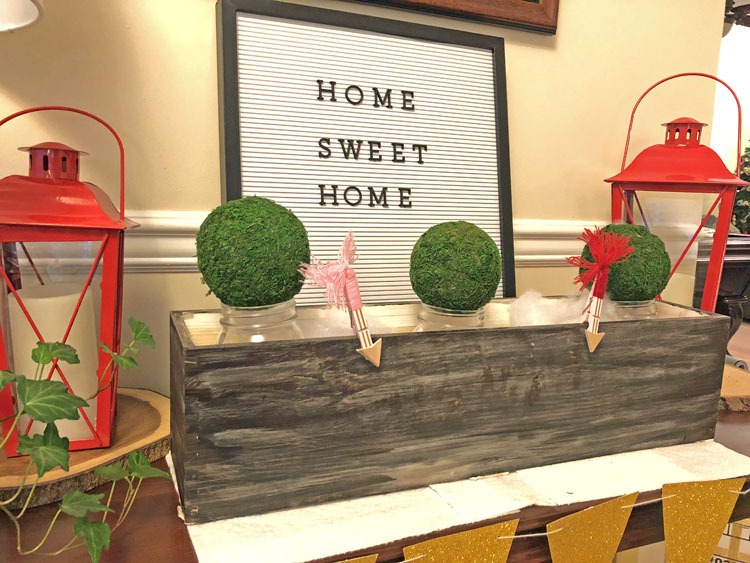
column 229, row 117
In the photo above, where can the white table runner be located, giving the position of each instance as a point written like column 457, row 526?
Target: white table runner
column 299, row 535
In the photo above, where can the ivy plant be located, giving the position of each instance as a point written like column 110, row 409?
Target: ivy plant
column 48, row 401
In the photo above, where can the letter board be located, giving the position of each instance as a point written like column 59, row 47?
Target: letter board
column 357, row 123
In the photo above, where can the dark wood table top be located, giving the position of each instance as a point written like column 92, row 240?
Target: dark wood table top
column 151, row 532
column 154, row 532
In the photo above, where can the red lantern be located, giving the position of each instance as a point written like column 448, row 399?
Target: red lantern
column 54, row 229
column 684, row 165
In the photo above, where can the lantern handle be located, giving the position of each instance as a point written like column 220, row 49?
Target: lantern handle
column 95, row 118
column 701, row 74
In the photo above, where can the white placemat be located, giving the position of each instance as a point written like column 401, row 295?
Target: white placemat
column 299, row 535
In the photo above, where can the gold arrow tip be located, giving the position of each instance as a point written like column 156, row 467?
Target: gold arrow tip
column 372, row 354
column 593, row 339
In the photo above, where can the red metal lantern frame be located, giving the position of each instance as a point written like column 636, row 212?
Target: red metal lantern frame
column 725, row 199
column 110, row 233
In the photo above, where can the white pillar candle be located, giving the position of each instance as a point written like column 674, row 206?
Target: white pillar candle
column 51, row 306
column 674, row 217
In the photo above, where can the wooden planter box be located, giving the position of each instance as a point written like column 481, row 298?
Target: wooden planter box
column 264, row 426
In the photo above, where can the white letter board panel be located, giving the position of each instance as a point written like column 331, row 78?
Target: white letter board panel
column 380, row 134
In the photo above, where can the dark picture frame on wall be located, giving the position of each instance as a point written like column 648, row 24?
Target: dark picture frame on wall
column 293, row 92
column 532, row 15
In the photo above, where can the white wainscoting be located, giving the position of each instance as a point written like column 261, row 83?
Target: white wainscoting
column 165, row 245
column 165, row 241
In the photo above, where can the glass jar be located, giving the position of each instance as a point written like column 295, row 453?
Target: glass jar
column 437, row 318
column 259, row 324
column 49, row 278
column 636, row 310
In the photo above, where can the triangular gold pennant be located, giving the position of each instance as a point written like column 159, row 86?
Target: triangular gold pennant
column 473, row 546
column 591, row 535
column 695, row 515
column 365, row 559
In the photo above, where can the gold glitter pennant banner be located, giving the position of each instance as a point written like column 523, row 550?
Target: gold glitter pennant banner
column 591, row 535
column 473, row 546
column 695, row 515
column 365, row 559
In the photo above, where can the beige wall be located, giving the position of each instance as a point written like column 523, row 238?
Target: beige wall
column 733, row 70
column 149, row 68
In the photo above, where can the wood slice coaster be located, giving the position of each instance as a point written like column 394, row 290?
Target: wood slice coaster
column 735, row 389
column 142, row 423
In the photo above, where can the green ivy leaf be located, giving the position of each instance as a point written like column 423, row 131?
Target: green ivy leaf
column 106, row 348
column 136, row 460
column 95, row 536
column 47, row 450
column 78, row 504
column 125, row 362
column 112, row 472
column 45, row 352
column 141, row 332
column 145, row 472
column 139, row 466
column 47, row 400
column 7, row 377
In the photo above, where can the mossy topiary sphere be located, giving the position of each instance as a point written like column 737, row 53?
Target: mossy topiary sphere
column 645, row 274
column 455, row 266
column 250, row 251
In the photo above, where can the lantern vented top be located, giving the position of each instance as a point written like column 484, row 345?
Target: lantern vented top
column 684, row 131
column 53, row 160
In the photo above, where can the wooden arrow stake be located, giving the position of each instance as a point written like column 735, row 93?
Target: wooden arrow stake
column 606, row 248
column 370, row 350
column 592, row 314
column 342, row 290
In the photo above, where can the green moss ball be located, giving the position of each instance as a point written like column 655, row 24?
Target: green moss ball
column 645, row 274
column 249, row 252
column 455, row 266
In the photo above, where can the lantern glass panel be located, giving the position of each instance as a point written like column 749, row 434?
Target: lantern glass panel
column 49, row 278
column 674, row 217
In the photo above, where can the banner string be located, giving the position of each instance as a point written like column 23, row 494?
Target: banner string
column 645, row 502
column 672, row 496
column 538, row 535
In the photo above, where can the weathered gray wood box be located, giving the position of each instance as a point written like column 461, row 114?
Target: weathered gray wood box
column 262, row 426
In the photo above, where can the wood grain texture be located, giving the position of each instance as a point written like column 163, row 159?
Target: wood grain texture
column 279, row 425
column 142, row 423
column 538, row 16
column 177, row 403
